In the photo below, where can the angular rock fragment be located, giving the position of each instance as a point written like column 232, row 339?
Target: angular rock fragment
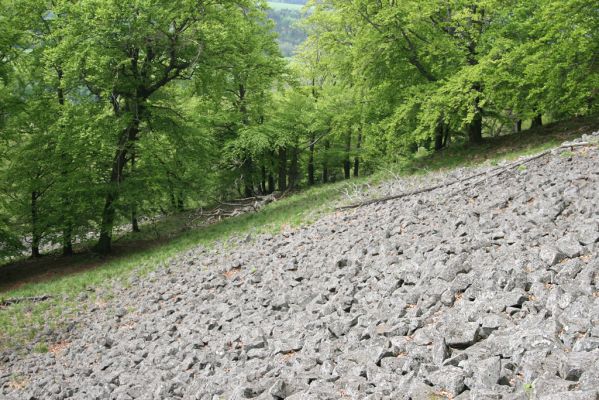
column 449, row 379
column 461, row 335
column 551, row 255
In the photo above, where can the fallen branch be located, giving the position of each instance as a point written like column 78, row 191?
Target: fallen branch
column 494, row 172
column 16, row 300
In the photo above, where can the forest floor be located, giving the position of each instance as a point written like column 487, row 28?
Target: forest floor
column 485, row 288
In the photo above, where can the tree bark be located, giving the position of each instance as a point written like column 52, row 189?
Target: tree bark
column 263, row 179
column 537, row 121
column 248, row 182
column 439, row 135
column 347, row 162
column 293, row 169
column 475, row 129
column 311, row 180
column 446, row 135
column 134, row 222
column 271, row 183
column 35, row 231
column 518, row 126
column 181, row 201
column 271, row 178
column 172, row 196
column 67, row 231
column 357, row 157
column 325, row 164
column 104, row 245
column 282, row 169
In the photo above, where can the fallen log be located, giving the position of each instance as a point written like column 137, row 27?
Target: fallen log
column 16, row 300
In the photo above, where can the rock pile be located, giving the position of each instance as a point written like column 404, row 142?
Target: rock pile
column 487, row 292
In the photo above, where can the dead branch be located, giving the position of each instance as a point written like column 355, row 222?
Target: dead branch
column 16, row 300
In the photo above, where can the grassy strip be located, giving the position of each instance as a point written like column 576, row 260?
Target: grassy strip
column 24, row 322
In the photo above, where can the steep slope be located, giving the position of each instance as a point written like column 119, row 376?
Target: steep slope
column 480, row 291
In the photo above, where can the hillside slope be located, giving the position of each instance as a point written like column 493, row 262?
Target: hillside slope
column 479, row 291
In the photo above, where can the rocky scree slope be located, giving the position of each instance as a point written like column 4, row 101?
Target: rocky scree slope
column 486, row 292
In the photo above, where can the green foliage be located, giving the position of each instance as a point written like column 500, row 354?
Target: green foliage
column 112, row 111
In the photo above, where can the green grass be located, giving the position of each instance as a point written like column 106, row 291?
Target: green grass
column 278, row 5
column 507, row 147
column 25, row 323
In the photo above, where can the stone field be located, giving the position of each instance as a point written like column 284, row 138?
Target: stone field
column 480, row 291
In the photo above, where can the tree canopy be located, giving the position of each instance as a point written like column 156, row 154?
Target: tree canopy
column 112, row 110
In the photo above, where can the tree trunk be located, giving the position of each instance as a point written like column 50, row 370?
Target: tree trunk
column 357, row 157
column 104, row 244
column 347, row 162
column 248, row 182
column 537, row 121
column 475, row 129
column 271, row 183
column 293, row 169
column 181, row 201
column 172, row 196
column 311, row 162
column 263, row 179
column 67, row 231
column 273, row 167
column 134, row 222
column 325, row 164
column 67, row 239
column 439, row 135
column 35, row 233
column 446, row 135
column 518, row 126
column 282, row 169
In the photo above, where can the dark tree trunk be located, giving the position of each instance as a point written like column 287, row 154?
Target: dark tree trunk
column 248, row 182
column 172, row 196
column 537, row 121
column 104, row 244
column 325, row 164
column 347, row 162
column 311, row 180
column 181, row 201
column 263, row 179
column 282, row 169
column 67, row 240
column 357, row 157
column 518, row 126
column 271, row 178
column 134, row 222
column 446, row 135
column 439, row 136
column 475, row 129
column 271, row 183
column 67, row 231
column 35, row 229
column 293, row 169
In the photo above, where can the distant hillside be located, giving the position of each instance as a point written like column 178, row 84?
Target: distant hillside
column 286, row 13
